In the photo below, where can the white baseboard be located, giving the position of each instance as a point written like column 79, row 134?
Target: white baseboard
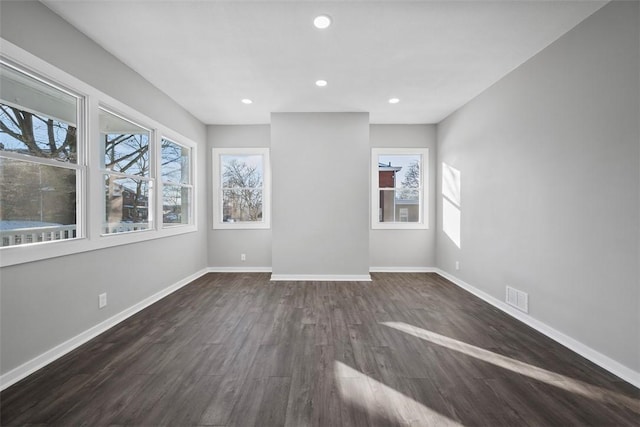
column 239, row 270
column 60, row 350
column 585, row 351
column 321, row 277
column 22, row 371
column 403, row 270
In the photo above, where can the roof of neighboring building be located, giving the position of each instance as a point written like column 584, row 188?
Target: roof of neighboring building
column 388, row 167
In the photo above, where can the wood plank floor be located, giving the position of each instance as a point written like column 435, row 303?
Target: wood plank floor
column 403, row 350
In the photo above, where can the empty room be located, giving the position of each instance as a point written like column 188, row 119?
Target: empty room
column 304, row 213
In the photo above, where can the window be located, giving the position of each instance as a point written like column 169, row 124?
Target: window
column 41, row 160
column 398, row 178
column 60, row 195
column 177, row 191
column 126, row 166
column 241, row 180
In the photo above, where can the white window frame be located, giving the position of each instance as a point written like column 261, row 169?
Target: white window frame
column 150, row 179
column 216, row 155
column 81, row 143
column 91, row 192
column 423, row 222
column 162, row 183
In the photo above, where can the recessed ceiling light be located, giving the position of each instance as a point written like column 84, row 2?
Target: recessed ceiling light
column 322, row 21
column 394, row 101
column 321, row 83
column 247, row 101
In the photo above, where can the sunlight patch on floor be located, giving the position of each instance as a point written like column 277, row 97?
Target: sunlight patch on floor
column 382, row 401
column 557, row 380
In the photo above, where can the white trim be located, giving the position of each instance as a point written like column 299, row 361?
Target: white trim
column 162, row 184
column 218, row 224
column 41, row 160
column 193, row 184
column 403, row 270
column 127, row 176
column 60, row 350
column 583, row 350
column 90, row 194
column 239, row 270
column 321, row 277
column 423, row 204
column 22, row 371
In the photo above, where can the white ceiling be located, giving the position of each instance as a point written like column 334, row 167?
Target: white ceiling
column 433, row 55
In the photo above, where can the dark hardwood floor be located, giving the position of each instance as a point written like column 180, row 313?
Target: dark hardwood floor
column 403, row 350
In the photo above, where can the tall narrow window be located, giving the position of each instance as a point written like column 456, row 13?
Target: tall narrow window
column 398, row 178
column 41, row 162
column 126, row 164
column 177, row 191
column 241, row 182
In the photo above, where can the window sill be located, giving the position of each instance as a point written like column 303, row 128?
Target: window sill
column 15, row 255
column 241, row 226
column 399, row 226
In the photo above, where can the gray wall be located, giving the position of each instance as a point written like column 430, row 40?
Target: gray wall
column 400, row 249
column 552, row 209
column 549, row 161
column 45, row 303
column 320, row 203
column 396, row 249
column 225, row 246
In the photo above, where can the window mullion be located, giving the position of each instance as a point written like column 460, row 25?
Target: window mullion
column 155, row 215
column 40, row 160
column 124, row 175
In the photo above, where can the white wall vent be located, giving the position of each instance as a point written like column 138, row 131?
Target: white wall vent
column 518, row 299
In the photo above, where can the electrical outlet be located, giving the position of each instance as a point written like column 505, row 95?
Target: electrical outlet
column 457, row 265
column 243, row 257
column 102, row 300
